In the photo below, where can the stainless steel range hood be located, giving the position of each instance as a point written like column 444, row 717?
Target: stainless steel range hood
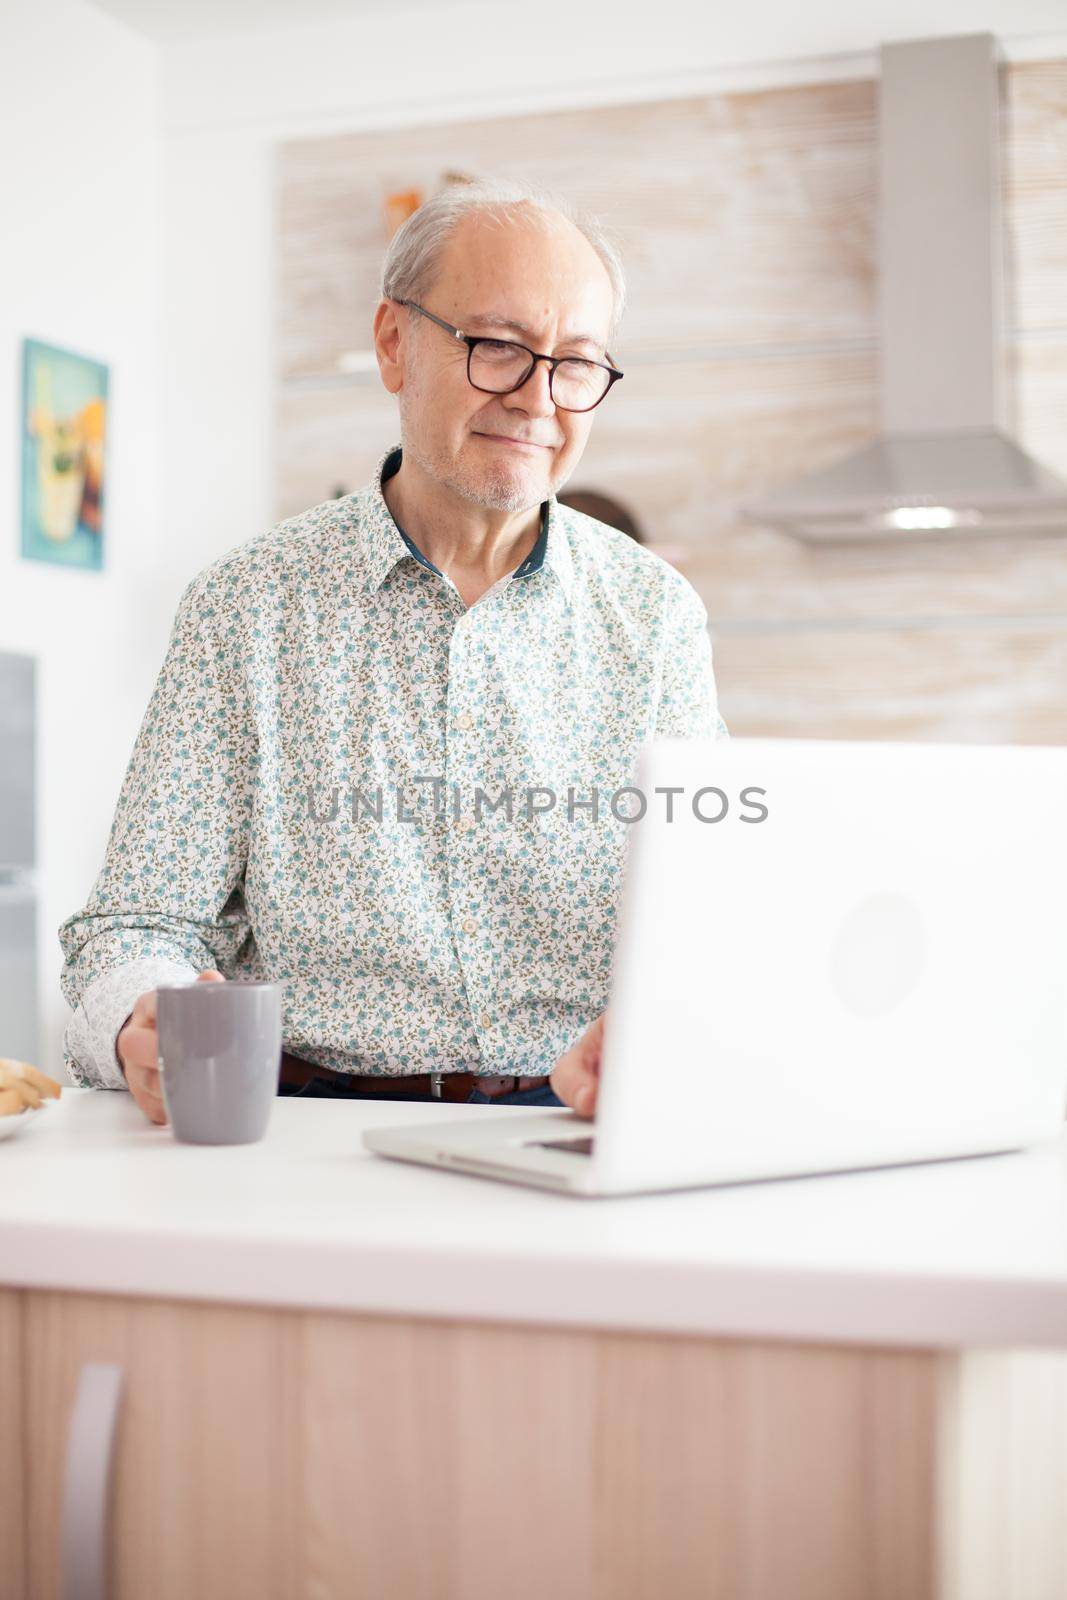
column 944, row 463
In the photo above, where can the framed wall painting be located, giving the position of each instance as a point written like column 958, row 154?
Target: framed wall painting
column 64, row 430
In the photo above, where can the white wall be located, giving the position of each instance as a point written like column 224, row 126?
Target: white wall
column 79, row 267
column 218, row 369
column 457, row 58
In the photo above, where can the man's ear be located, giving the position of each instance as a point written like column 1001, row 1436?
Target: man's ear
column 387, row 345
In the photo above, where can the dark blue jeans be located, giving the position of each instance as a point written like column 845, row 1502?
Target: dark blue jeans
column 542, row 1094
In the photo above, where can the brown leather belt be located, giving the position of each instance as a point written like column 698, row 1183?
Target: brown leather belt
column 296, row 1072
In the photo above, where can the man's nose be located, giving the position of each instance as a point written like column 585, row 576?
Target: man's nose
column 534, row 397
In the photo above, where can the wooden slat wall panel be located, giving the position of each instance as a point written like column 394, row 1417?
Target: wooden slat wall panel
column 689, row 442
column 1039, row 390
column 746, row 219
column 968, row 684
column 329, row 439
column 1035, row 173
column 749, row 346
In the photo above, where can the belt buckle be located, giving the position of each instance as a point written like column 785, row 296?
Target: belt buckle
column 436, row 1081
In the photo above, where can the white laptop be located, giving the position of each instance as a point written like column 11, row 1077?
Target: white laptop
column 875, row 972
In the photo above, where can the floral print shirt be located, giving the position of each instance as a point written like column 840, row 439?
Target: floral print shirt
column 302, row 801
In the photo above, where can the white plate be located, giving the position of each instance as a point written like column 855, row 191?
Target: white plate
column 13, row 1124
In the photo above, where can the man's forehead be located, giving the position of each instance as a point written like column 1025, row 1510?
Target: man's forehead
column 479, row 264
column 492, row 320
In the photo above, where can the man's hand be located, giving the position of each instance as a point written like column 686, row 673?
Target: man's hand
column 137, row 1048
column 576, row 1075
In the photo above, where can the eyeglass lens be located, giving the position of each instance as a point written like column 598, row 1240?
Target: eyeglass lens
column 498, row 367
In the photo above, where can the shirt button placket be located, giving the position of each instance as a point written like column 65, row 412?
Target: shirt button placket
column 463, row 722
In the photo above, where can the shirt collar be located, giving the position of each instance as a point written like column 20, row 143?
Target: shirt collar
column 384, row 543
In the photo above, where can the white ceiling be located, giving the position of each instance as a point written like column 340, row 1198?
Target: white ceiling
column 861, row 24
column 183, row 19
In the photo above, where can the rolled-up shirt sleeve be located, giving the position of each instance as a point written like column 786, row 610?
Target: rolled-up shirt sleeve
column 689, row 703
column 168, row 902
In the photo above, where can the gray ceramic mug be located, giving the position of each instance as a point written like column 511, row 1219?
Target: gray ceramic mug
column 220, row 1050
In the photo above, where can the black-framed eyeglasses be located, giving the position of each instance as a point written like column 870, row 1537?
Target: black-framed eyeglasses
column 500, row 366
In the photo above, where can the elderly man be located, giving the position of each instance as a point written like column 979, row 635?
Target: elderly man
column 381, row 764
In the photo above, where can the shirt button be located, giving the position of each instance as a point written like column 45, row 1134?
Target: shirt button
column 469, row 925
column 464, row 721
column 465, row 824
column 485, row 1020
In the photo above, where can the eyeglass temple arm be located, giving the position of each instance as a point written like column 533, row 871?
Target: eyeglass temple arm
column 475, row 338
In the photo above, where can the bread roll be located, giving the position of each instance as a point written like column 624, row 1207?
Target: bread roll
column 23, row 1086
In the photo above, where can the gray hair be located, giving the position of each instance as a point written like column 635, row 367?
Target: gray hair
column 410, row 264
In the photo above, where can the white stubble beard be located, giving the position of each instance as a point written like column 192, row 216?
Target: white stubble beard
column 496, row 491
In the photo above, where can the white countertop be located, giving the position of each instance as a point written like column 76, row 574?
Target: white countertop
column 94, row 1197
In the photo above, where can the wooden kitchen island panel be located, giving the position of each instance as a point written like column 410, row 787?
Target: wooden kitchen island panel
column 13, row 1578
column 278, row 1453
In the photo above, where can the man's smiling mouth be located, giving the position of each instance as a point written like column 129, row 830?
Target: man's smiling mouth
column 525, row 444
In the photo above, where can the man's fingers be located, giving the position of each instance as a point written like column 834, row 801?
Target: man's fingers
column 593, row 1045
column 144, row 1084
column 154, row 1113
column 577, row 1089
column 145, row 1081
column 140, row 1047
column 153, row 1109
column 138, row 1051
column 570, row 1075
column 576, row 1073
column 144, row 1013
column 585, row 1099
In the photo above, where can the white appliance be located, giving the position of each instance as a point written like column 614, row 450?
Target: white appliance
column 18, row 892
column 874, row 973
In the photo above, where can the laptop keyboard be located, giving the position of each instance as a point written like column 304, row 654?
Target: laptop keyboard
column 574, row 1147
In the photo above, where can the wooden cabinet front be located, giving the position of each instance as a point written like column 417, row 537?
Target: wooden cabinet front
column 277, row 1453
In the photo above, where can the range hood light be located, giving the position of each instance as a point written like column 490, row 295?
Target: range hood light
column 918, row 518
